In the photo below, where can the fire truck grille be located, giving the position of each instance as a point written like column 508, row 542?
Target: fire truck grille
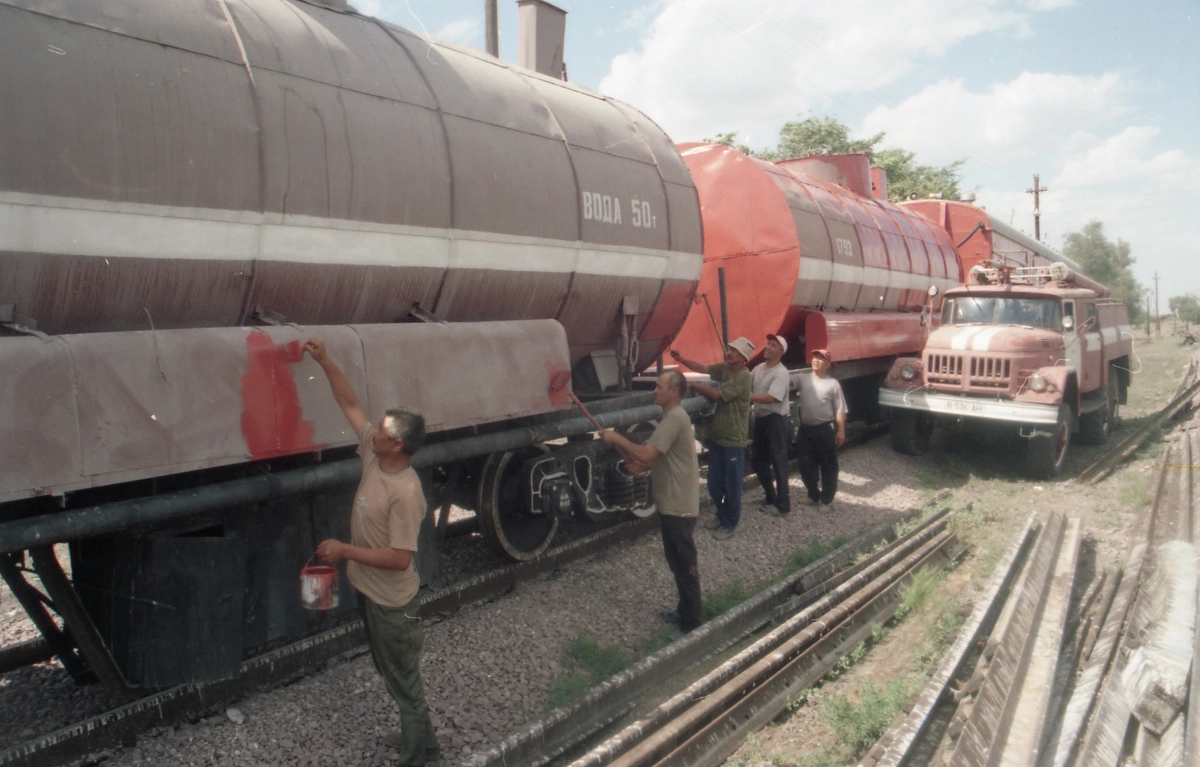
column 990, row 372
column 944, row 369
column 986, row 373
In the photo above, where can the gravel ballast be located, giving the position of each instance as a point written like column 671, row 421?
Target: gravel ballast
column 487, row 668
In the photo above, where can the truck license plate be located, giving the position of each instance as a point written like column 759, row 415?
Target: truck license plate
column 965, row 406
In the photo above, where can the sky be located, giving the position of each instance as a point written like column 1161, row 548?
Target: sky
column 1100, row 98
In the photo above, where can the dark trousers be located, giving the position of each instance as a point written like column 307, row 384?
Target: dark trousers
column 680, row 549
column 769, row 458
column 816, row 450
column 726, row 470
column 395, row 641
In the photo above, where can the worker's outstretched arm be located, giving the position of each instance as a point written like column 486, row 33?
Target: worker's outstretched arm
column 343, row 392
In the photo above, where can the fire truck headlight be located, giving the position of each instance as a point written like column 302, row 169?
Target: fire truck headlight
column 908, row 372
column 1037, row 383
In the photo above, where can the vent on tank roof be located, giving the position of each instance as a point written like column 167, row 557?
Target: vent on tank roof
column 541, row 33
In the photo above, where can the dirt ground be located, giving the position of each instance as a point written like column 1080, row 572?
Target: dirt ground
column 815, row 731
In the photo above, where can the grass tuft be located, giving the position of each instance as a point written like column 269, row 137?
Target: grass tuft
column 858, row 724
column 802, row 558
column 726, row 599
column 1135, row 495
column 586, row 662
column 921, row 590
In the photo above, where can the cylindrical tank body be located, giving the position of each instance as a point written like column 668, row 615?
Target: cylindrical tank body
column 793, row 244
column 179, row 164
column 978, row 237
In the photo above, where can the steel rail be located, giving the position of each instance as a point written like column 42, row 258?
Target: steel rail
column 907, row 736
column 1126, row 447
column 753, row 700
column 27, row 653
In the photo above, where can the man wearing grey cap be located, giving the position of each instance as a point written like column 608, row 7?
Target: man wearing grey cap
column 822, row 429
column 728, row 433
column 769, row 445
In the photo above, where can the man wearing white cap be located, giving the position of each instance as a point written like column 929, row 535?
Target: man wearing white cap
column 728, row 433
column 769, row 447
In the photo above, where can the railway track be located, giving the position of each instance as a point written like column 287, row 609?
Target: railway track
column 1049, row 673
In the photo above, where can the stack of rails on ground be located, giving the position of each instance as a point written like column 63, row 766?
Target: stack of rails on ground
column 461, row 232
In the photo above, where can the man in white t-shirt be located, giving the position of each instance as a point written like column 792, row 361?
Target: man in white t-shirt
column 769, row 387
column 822, row 428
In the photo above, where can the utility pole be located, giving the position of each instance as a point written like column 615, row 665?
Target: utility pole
column 492, row 19
column 1147, row 318
column 1037, row 207
column 1157, row 310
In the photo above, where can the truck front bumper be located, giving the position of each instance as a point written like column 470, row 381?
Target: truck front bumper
column 969, row 407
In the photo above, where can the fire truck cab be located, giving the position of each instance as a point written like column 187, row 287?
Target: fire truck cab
column 1041, row 351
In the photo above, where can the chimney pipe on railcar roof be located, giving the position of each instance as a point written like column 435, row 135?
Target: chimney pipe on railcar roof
column 851, row 171
column 541, row 34
column 879, row 183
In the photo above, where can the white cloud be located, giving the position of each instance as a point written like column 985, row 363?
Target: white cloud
column 1036, row 112
column 1142, row 192
column 705, row 66
column 465, row 31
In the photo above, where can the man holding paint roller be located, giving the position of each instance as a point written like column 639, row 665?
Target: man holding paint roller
column 386, row 518
column 675, row 482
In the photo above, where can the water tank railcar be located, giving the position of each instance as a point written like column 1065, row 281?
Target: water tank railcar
column 190, row 188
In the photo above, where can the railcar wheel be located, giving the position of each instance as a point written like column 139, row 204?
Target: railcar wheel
column 505, row 519
column 911, row 430
column 1047, row 452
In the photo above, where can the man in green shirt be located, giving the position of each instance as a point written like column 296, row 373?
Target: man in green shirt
column 729, row 432
column 675, row 482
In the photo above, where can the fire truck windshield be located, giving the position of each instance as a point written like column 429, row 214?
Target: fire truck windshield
column 996, row 310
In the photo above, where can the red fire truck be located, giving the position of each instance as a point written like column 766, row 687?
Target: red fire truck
column 1042, row 351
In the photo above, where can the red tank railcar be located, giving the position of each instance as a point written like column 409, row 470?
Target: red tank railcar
column 811, row 254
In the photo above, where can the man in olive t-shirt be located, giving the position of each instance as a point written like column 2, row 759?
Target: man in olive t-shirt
column 675, row 482
column 384, row 523
column 728, row 433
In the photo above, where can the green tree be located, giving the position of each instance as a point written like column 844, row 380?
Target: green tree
column 729, row 140
column 1108, row 263
column 907, row 180
column 825, row 135
column 818, row 135
column 1185, row 307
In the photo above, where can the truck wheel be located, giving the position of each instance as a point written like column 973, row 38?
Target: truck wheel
column 1047, row 452
column 1096, row 426
column 911, row 430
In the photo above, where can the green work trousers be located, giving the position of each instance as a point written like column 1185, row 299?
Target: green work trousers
column 396, row 641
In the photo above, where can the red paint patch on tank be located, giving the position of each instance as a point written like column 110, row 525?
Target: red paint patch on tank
column 272, row 422
column 560, row 383
column 295, row 351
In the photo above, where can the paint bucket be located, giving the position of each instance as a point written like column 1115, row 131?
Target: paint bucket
column 318, row 586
